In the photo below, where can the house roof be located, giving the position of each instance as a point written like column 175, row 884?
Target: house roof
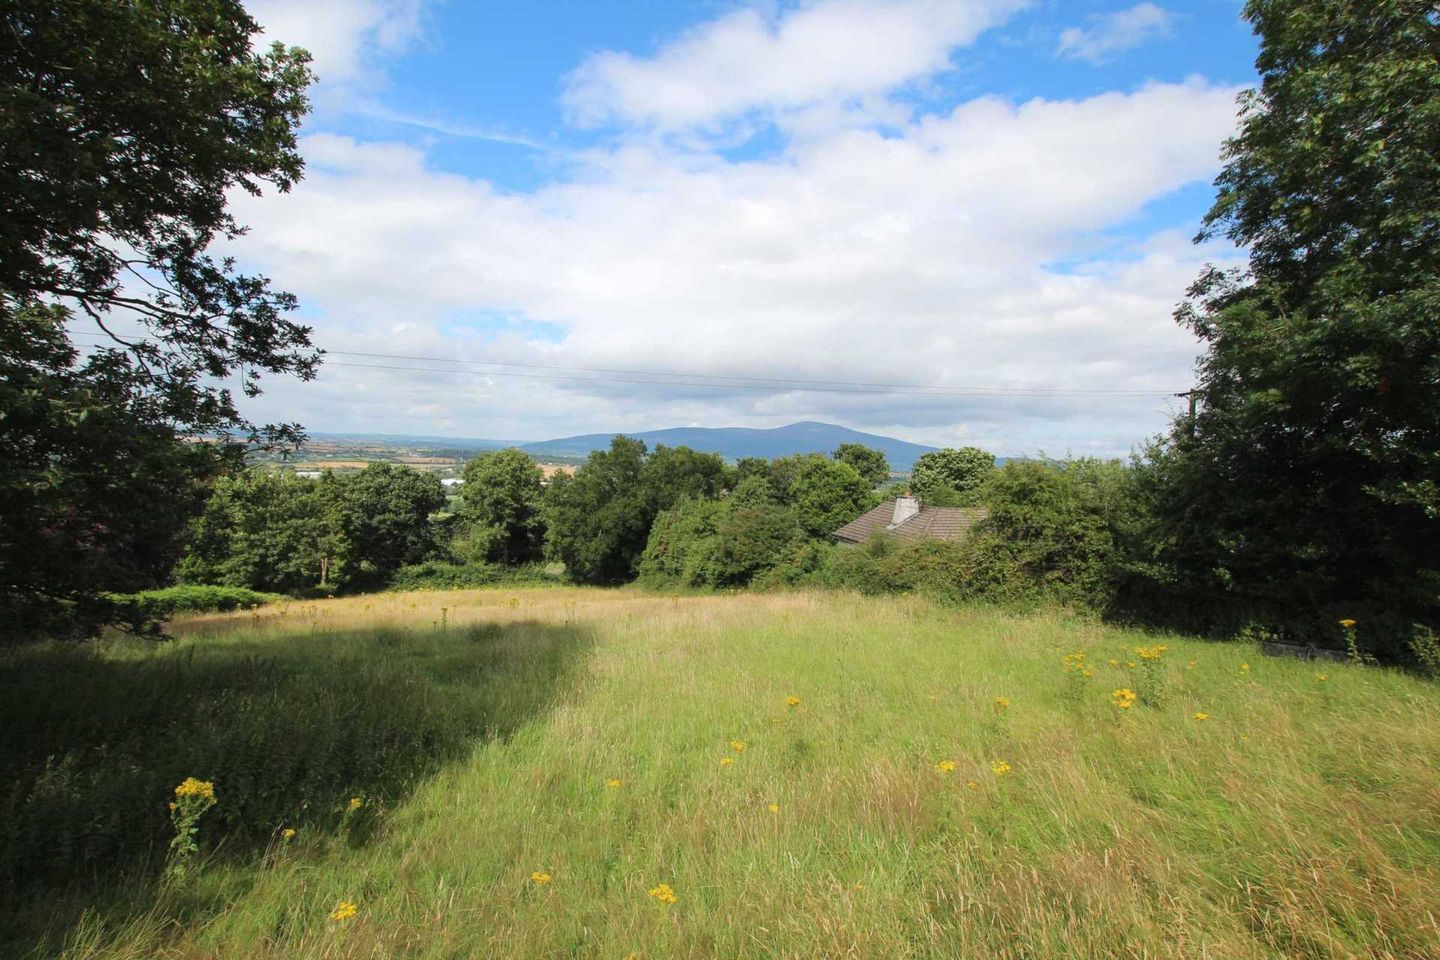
column 931, row 523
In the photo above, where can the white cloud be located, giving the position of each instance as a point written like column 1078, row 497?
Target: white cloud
column 751, row 60
column 1114, row 33
column 340, row 34
column 921, row 256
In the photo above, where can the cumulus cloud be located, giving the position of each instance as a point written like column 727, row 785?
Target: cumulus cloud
column 340, row 34
column 927, row 254
column 752, row 60
column 1112, row 33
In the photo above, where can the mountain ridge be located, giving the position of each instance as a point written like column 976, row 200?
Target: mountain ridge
column 733, row 443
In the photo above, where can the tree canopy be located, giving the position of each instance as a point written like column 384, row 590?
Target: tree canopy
column 123, row 128
column 950, row 476
column 1306, row 486
column 501, row 509
column 868, row 462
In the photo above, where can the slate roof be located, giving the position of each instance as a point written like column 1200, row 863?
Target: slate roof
column 931, row 523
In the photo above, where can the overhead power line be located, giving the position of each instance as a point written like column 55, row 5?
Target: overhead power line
column 668, row 378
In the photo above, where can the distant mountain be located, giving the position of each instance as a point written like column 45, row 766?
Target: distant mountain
column 732, row 443
column 416, row 440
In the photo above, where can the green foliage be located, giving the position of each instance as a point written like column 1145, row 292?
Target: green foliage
column 287, row 534
column 680, row 542
column 951, row 477
column 439, row 575
column 139, row 610
column 269, row 532
column 598, row 521
column 501, row 509
column 94, row 492
column 384, row 513
column 123, row 129
column 1050, row 537
column 673, row 474
column 825, row 494
column 1305, row 489
column 93, row 740
column 869, row 463
column 720, row 544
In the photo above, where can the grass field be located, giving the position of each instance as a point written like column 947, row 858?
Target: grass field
column 617, row 741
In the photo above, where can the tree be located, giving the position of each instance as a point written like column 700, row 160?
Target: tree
column 1305, row 488
column 597, row 520
column 384, row 512
column 868, row 462
column 951, row 477
column 723, row 543
column 673, row 474
column 123, row 128
column 266, row 531
column 827, row 494
column 501, row 510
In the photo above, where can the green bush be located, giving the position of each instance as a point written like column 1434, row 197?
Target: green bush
column 137, row 610
column 438, row 575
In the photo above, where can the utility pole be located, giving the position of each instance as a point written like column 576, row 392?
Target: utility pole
column 1193, row 396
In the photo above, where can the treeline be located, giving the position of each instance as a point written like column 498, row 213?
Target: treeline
column 1096, row 535
column 384, row 525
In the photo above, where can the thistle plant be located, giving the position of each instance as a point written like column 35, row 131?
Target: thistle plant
column 192, row 799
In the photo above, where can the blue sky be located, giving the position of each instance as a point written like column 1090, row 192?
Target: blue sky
column 991, row 199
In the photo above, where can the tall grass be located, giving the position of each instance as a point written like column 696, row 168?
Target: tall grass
column 1298, row 819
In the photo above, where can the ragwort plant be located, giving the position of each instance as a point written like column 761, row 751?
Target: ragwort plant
column 192, row 799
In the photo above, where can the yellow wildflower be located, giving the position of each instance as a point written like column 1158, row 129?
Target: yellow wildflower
column 1202, row 716
column 1321, row 677
column 343, row 911
column 792, row 701
column 774, row 808
column 612, row 783
column 1000, row 768
column 1244, row 668
column 945, row 766
column 1002, row 703
column 664, row 894
column 1114, row 663
column 196, row 788
column 539, row 879
column 1152, row 653
column 356, row 803
column 726, row 761
column 1074, row 661
column 737, row 745
column 1087, row 673
column 288, row 833
column 1347, row 623
column 1124, row 698
column 1129, row 664
column 1190, row 665
column 973, row 785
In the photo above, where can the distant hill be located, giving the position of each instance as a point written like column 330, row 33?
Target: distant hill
column 419, row 440
column 732, row 443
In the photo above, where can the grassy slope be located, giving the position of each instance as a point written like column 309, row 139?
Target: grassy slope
column 1301, row 819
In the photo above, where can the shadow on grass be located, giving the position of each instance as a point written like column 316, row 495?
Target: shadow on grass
column 94, row 739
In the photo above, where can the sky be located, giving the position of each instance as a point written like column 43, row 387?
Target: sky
column 958, row 222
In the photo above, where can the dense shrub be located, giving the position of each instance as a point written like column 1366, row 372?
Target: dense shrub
column 720, row 543
column 439, row 575
column 136, row 610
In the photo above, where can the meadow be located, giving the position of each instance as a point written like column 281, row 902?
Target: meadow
column 529, row 773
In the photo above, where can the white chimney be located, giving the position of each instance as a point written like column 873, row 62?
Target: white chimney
column 905, row 508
